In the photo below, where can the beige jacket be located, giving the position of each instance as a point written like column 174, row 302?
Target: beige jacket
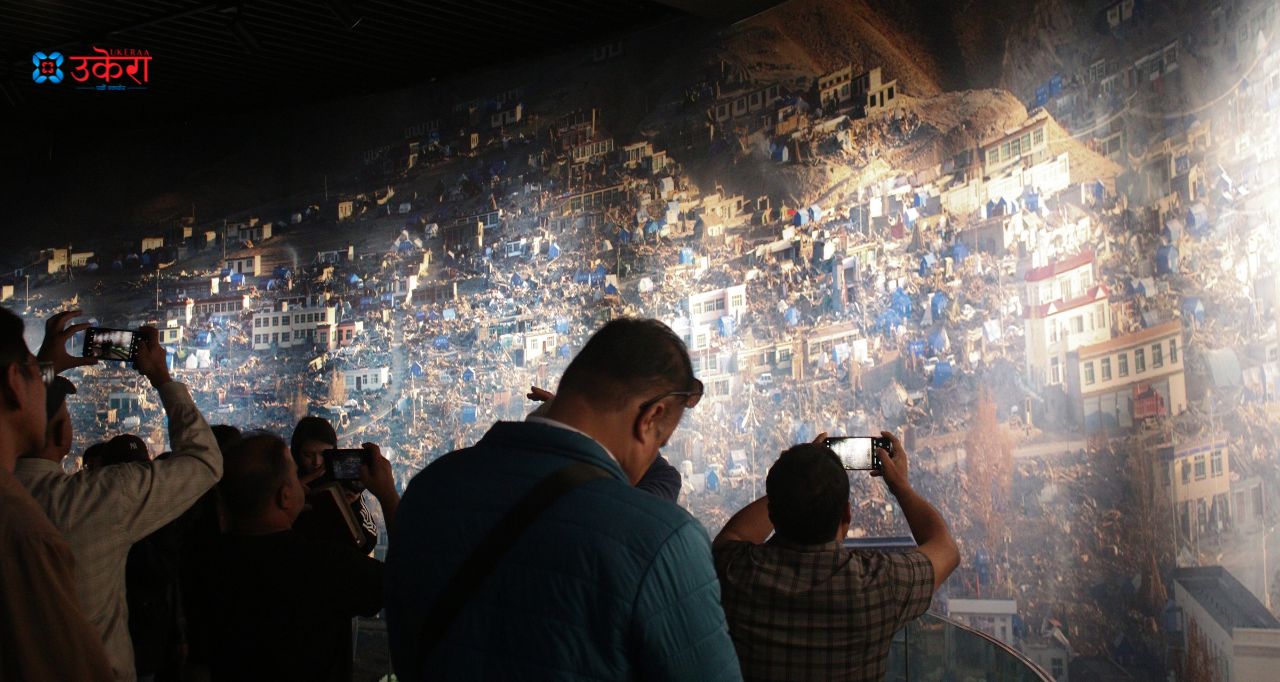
column 102, row 513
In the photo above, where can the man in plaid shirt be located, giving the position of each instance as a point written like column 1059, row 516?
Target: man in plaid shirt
column 802, row 607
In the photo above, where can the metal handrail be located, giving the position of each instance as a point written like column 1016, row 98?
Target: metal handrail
column 1031, row 666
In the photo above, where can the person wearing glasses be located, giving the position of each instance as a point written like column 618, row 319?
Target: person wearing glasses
column 533, row 555
column 103, row 512
column 44, row 634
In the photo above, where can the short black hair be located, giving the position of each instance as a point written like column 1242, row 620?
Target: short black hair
column 626, row 358
column 254, row 468
column 13, row 348
column 808, row 489
column 226, row 435
column 56, row 395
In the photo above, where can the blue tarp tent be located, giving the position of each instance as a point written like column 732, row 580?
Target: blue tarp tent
column 516, row 279
column 1033, row 202
column 887, row 321
column 959, row 252
column 419, row 316
column 1193, row 308
column 353, row 279
column 441, row 343
column 686, row 256
column 942, row 373
column 815, row 213
column 927, row 262
column 562, row 325
column 1198, row 220
column 597, row 277
column 610, row 290
column 416, row 370
column 938, row 342
column 564, row 351
column 553, row 251
column 404, row 246
column 728, row 326
column 916, row 348
column 450, row 314
column 713, row 481
column 433, row 315
column 281, row 272
column 652, row 227
column 938, row 304
column 468, row 374
column 792, row 317
column 467, row 414
column 1172, row 230
column 237, row 278
column 624, row 236
column 901, row 303
column 800, row 218
column 1166, row 260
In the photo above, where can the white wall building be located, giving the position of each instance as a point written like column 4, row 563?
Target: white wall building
column 1241, row 636
column 709, row 306
column 288, row 326
column 992, row 616
column 366, row 379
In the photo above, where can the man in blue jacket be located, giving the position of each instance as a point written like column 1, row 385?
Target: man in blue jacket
column 606, row 581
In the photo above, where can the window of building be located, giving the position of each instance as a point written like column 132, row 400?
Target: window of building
column 1106, row 369
column 1055, row 371
column 1053, row 331
column 1037, row 136
column 737, row 301
column 1186, row 472
column 1077, row 324
column 1088, row 373
column 1157, row 355
column 1173, row 350
column 1199, row 466
column 1067, row 290
column 1100, row 317
column 1055, row 667
column 993, row 156
column 1122, row 364
column 1139, row 360
column 1215, row 463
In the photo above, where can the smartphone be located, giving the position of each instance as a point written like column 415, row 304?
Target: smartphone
column 110, row 344
column 344, row 465
column 858, row 453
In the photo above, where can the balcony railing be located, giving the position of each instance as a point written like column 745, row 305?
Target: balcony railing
column 934, row 647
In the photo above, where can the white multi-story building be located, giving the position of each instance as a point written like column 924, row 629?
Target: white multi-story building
column 992, row 616
column 709, row 306
column 1064, row 310
column 285, row 326
column 248, row 265
column 366, row 379
column 1129, row 378
column 1241, row 637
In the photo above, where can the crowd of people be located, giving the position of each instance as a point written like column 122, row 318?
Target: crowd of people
column 552, row 546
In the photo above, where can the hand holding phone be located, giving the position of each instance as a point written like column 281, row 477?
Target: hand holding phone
column 344, row 465
column 858, row 453
column 102, row 343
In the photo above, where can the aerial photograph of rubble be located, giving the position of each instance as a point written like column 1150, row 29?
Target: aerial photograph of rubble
column 1037, row 242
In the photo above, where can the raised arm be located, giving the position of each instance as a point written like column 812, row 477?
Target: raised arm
column 750, row 524
column 661, row 479
column 927, row 525
column 162, row 490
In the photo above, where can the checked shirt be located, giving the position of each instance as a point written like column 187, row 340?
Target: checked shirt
column 818, row 612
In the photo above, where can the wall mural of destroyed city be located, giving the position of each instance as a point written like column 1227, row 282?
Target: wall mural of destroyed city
column 1041, row 247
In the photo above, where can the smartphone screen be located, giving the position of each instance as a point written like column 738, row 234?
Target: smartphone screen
column 344, row 465
column 110, row 344
column 855, row 452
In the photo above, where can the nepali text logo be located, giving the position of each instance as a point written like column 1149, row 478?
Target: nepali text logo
column 48, row 67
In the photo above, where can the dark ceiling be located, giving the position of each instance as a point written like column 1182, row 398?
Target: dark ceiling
column 209, row 57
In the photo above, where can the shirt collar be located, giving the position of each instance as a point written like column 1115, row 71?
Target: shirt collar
column 38, row 464
column 561, row 425
column 831, row 546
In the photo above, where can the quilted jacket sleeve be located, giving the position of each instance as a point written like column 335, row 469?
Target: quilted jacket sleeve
column 679, row 630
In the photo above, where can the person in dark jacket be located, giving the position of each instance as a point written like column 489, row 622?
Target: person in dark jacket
column 608, row 581
column 311, row 437
column 280, row 603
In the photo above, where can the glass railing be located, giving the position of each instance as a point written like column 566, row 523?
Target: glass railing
column 933, row 647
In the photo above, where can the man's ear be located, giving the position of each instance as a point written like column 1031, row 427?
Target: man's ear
column 646, row 425
column 284, row 496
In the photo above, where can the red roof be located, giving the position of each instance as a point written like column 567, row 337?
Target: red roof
column 1046, row 271
column 1098, row 293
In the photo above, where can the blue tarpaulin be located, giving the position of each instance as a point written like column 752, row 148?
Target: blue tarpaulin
column 1198, row 220
column 728, row 326
column 468, row 374
column 419, row 316
column 467, row 415
column 433, row 315
column 959, row 252
column 416, row 370
column 887, row 321
column 624, row 236
column 713, row 481
column 800, row 218
column 441, row 343
column 927, row 262
column 450, row 314
column 516, row 279
column 562, row 325
column 942, row 373
column 353, row 279
column 1033, row 202
column 237, row 278
column 686, row 256
column 1193, row 308
column 938, row 304
column 815, row 213
column 565, row 351
column 792, row 317
column 901, row 303
column 938, row 341
column 610, row 290
column 916, row 348
column 1166, row 260
column 553, row 251
column 652, row 227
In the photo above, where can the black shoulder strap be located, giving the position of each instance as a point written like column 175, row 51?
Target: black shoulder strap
column 475, row 568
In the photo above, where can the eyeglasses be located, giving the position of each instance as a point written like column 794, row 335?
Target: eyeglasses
column 691, row 396
column 47, row 373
